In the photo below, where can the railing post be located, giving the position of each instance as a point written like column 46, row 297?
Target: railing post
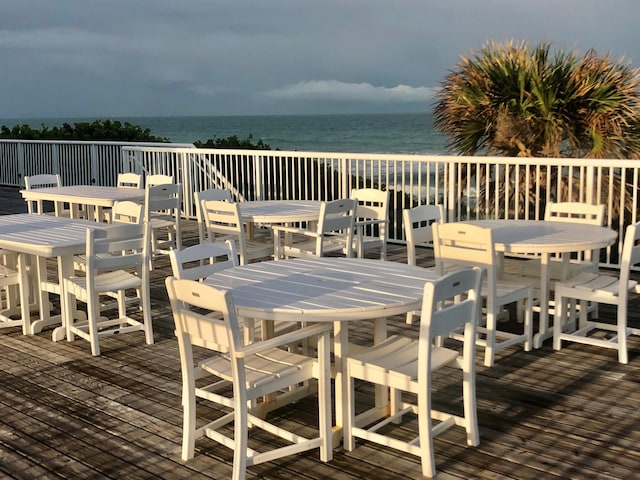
column 94, row 174
column 21, row 167
column 450, row 211
column 589, row 187
column 258, row 177
column 345, row 175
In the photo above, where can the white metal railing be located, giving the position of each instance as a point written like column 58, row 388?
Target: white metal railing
column 467, row 187
column 78, row 163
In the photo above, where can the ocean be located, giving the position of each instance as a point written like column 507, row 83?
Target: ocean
column 406, row 133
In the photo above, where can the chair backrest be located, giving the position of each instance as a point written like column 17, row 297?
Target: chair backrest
column 163, row 200
column 630, row 257
column 459, row 244
column 577, row 212
column 449, row 303
column 336, row 218
column 118, row 247
column 127, row 211
column 372, row 203
column 199, row 261
column 211, row 194
column 218, row 333
column 44, row 180
column 417, row 227
column 158, row 179
column 129, row 180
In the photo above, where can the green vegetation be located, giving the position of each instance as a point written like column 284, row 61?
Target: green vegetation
column 109, row 130
column 514, row 100
column 99, row 130
column 233, row 142
column 518, row 101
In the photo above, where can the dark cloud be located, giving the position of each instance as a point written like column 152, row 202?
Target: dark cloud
column 205, row 57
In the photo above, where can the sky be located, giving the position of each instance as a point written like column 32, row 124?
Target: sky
column 110, row 58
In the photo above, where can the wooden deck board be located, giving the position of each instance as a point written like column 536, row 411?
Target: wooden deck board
column 570, row 414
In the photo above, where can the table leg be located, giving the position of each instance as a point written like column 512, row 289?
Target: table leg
column 67, row 303
column 340, row 351
column 544, row 331
column 25, row 281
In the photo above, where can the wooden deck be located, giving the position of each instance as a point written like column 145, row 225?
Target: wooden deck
column 542, row 414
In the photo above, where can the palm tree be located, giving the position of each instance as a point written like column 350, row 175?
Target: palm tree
column 515, row 100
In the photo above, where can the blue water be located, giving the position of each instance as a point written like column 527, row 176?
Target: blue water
column 363, row 133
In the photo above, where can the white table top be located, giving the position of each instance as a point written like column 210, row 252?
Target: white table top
column 324, row 289
column 44, row 235
column 280, row 211
column 540, row 236
column 85, row 194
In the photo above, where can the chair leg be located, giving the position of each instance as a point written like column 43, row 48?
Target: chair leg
column 622, row 334
column 428, row 460
column 348, row 438
column 93, row 317
column 489, row 351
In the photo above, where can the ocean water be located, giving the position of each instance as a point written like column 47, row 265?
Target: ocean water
column 363, row 133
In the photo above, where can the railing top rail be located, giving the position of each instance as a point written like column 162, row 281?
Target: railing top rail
column 408, row 157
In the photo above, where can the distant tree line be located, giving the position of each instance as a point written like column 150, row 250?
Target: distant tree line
column 114, row 130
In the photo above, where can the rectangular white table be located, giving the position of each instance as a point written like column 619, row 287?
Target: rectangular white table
column 94, row 197
column 44, row 236
column 337, row 290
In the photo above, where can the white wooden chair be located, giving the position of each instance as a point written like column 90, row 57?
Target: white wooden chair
column 163, row 212
column 571, row 212
column 417, row 222
column 407, row 365
column 462, row 245
column 125, row 180
column 199, row 261
column 599, row 288
column 210, row 194
column 222, row 221
column 45, row 180
column 372, row 220
column 124, row 211
column 334, row 233
column 256, row 370
column 117, row 262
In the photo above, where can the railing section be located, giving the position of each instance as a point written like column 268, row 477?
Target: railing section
column 467, row 187
column 78, row 163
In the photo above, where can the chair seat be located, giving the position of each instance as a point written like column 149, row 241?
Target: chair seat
column 600, row 284
column 263, row 369
column 397, row 359
column 532, row 268
column 106, row 282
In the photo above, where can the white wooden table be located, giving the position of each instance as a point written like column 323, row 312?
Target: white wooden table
column 44, row 236
column 327, row 289
column 94, row 197
column 546, row 238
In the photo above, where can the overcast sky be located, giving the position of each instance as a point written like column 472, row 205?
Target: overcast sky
column 101, row 58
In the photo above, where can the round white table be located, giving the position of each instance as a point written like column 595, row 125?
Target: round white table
column 543, row 237
column 280, row 211
column 327, row 290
